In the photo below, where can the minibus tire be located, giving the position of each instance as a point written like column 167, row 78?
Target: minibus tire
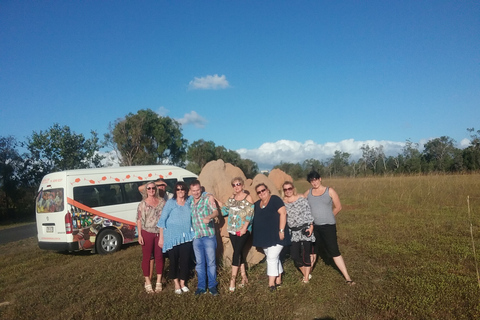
column 108, row 241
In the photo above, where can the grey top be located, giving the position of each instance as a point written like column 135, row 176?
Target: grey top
column 321, row 207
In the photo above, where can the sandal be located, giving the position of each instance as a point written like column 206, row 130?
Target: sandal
column 350, row 282
column 158, row 287
column 148, row 288
column 232, row 288
column 244, row 280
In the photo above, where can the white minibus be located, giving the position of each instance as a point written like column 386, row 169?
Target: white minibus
column 95, row 209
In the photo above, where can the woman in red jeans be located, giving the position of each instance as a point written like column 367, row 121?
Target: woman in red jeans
column 148, row 214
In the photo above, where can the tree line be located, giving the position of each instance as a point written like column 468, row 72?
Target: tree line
column 145, row 138
column 439, row 155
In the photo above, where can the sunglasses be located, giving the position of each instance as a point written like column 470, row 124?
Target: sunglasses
column 287, row 189
column 161, row 185
column 181, row 189
column 261, row 191
column 151, row 188
column 238, row 184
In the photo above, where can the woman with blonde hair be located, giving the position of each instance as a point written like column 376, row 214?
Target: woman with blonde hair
column 148, row 213
column 300, row 222
column 239, row 209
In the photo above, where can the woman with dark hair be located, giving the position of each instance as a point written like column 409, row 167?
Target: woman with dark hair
column 176, row 235
column 325, row 205
column 148, row 213
column 300, row 222
column 239, row 209
column 270, row 232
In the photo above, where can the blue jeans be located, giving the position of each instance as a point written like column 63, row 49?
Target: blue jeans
column 205, row 249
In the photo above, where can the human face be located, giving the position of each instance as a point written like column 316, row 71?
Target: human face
column 262, row 192
column 151, row 189
column 181, row 191
column 288, row 189
column 316, row 183
column 196, row 191
column 237, row 186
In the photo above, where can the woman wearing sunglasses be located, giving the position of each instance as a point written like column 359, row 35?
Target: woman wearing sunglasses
column 148, row 213
column 176, row 235
column 300, row 222
column 239, row 209
column 270, row 232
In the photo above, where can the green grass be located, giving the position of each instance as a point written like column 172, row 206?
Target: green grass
column 406, row 242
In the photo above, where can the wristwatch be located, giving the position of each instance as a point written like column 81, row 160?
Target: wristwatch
column 281, row 230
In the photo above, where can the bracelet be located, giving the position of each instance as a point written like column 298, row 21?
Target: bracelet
column 281, row 230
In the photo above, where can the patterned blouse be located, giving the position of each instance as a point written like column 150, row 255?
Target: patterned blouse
column 149, row 215
column 239, row 212
column 299, row 214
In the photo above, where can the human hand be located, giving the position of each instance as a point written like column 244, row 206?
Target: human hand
column 281, row 235
column 140, row 240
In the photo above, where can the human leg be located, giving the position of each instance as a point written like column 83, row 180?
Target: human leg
column 200, row 259
column 184, row 261
column 158, row 264
column 210, row 246
column 329, row 236
column 147, row 250
column 274, row 265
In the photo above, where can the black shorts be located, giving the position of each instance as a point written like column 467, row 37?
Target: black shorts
column 326, row 236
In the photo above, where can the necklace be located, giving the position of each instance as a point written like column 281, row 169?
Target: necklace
column 264, row 204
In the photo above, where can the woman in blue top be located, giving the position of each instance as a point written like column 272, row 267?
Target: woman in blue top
column 239, row 209
column 176, row 235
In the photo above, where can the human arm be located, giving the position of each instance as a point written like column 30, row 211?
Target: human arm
column 336, row 205
column 139, row 224
column 305, row 195
column 160, row 238
column 283, row 222
column 213, row 206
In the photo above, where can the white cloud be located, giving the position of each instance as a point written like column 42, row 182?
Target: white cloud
column 465, row 143
column 193, row 118
column 162, row 111
column 209, row 82
column 270, row 154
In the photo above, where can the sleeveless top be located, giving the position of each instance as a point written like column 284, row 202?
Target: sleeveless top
column 321, row 207
column 239, row 212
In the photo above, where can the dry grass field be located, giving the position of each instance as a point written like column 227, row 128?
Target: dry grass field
column 407, row 242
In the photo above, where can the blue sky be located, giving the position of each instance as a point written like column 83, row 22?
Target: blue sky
column 274, row 80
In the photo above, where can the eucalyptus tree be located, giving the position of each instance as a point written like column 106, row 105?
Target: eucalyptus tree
column 58, row 148
column 147, row 138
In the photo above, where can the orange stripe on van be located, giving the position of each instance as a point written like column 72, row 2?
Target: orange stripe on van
column 98, row 213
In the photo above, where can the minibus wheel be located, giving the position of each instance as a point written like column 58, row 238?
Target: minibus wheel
column 108, row 241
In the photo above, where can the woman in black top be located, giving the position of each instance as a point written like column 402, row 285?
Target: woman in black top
column 270, row 232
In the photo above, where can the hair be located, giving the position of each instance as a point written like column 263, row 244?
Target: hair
column 313, row 175
column 261, row 184
column 180, row 184
column 144, row 191
column 160, row 180
column 239, row 179
column 291, row 184
column 195, row 182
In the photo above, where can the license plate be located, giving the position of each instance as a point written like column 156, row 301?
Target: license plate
column 49, row 229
